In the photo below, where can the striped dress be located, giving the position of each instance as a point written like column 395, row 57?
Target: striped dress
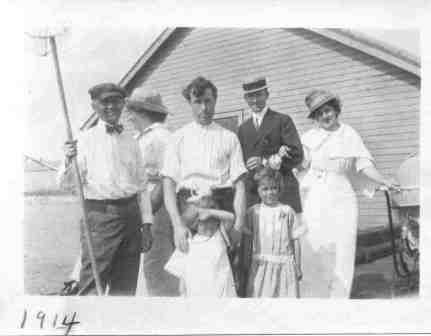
column 272, row 270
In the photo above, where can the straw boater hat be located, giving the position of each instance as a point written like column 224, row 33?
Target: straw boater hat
column 151, row 103
column 254, row 84
column 317, row 98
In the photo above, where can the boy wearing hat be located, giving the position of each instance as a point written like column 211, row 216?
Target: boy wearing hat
column 148, row 114
column 268, row 132
column 111, row 168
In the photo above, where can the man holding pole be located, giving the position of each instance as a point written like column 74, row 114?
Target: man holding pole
column 111, row 168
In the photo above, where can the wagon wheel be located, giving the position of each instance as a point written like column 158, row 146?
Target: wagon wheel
column 409, row 257
column 400, row 270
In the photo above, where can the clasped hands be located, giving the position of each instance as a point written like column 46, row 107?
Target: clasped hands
column 257, row 161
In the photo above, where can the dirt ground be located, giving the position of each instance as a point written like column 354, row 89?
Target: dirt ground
column 51, row 234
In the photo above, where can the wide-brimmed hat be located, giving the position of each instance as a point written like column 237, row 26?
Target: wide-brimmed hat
column 151, row 103
column 317, row 98
column 104, row 90
column 254, row 84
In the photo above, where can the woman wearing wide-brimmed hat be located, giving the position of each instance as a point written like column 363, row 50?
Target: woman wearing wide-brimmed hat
column 336, row 162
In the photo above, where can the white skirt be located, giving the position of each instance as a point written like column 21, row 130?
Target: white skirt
column 205, row 269
column 330, row 212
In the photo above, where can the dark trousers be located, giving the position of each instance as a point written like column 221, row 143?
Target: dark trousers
column 114, row 227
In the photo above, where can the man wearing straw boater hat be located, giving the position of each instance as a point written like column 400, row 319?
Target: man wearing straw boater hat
column 111, row 168
column 148, row 114
column 265, row 133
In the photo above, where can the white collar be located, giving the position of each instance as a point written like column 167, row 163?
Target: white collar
column 196, row 125
column 148, row 129
column 261, row 114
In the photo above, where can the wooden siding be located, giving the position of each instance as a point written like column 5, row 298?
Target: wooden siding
column 379, row 100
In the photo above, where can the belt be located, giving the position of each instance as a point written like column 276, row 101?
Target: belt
column 279, row 259
column 118, row 201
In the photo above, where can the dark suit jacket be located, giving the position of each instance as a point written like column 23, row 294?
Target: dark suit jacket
column 277, row 129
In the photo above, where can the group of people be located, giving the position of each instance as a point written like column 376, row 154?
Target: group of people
column 207, row 212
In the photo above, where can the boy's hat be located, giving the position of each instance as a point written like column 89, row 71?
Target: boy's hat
column 151, row 103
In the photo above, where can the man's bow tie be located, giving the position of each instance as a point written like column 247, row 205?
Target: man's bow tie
column 114, row 128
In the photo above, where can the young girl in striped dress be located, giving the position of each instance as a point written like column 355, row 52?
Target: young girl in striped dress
column 273, row 267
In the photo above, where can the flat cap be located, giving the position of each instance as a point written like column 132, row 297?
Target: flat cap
column 104, row 90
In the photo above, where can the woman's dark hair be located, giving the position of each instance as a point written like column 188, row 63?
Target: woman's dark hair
column 334, row 103
column 267, row 173
column 198, row 86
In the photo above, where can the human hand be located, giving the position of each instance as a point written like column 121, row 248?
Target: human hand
column 284, row 151
column 147, row 237
column 390, row 184
column 235, row 235
column 181, row 237
column 70, row 149
column 253, row 162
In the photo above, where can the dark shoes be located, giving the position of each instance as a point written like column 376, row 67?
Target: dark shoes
column 70, row 288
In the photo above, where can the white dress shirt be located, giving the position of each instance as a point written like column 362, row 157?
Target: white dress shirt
column 152, row 143
column 258, row 117
column 203, row 157
column 111, row 165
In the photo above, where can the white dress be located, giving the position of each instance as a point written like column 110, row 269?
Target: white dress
column 330, row 210
column 205, row 269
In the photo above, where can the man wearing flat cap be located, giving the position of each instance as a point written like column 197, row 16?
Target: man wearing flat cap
column 111, row 167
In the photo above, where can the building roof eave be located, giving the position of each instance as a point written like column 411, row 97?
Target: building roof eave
column 383, row 51
column 376, row 48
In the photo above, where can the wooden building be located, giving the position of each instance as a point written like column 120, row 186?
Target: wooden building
column 379, row 85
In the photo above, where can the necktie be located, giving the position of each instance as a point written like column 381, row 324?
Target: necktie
column 256, row 122
column 114, row 128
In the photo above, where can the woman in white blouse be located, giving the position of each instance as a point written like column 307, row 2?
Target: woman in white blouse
column 336, row 159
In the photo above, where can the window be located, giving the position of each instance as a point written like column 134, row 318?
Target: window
column 230, row 119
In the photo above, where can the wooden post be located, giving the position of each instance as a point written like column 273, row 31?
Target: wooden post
column 87, row 233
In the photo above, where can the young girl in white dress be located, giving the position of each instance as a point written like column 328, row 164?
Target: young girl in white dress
column 205, row 269
column 274, row 270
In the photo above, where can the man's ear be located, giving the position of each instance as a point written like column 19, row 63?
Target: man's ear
column 93, row 105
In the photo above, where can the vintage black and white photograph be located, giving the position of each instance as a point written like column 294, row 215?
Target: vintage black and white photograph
column 223, row 162
column 215, row 168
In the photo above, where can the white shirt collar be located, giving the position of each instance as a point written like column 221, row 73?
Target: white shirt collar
column 196, row 125
column 261, row 114
column 148, row 129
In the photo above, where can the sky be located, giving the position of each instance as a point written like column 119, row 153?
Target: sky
column 92, row 55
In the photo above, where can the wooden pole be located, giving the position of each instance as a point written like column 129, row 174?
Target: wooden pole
column 87, row 233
